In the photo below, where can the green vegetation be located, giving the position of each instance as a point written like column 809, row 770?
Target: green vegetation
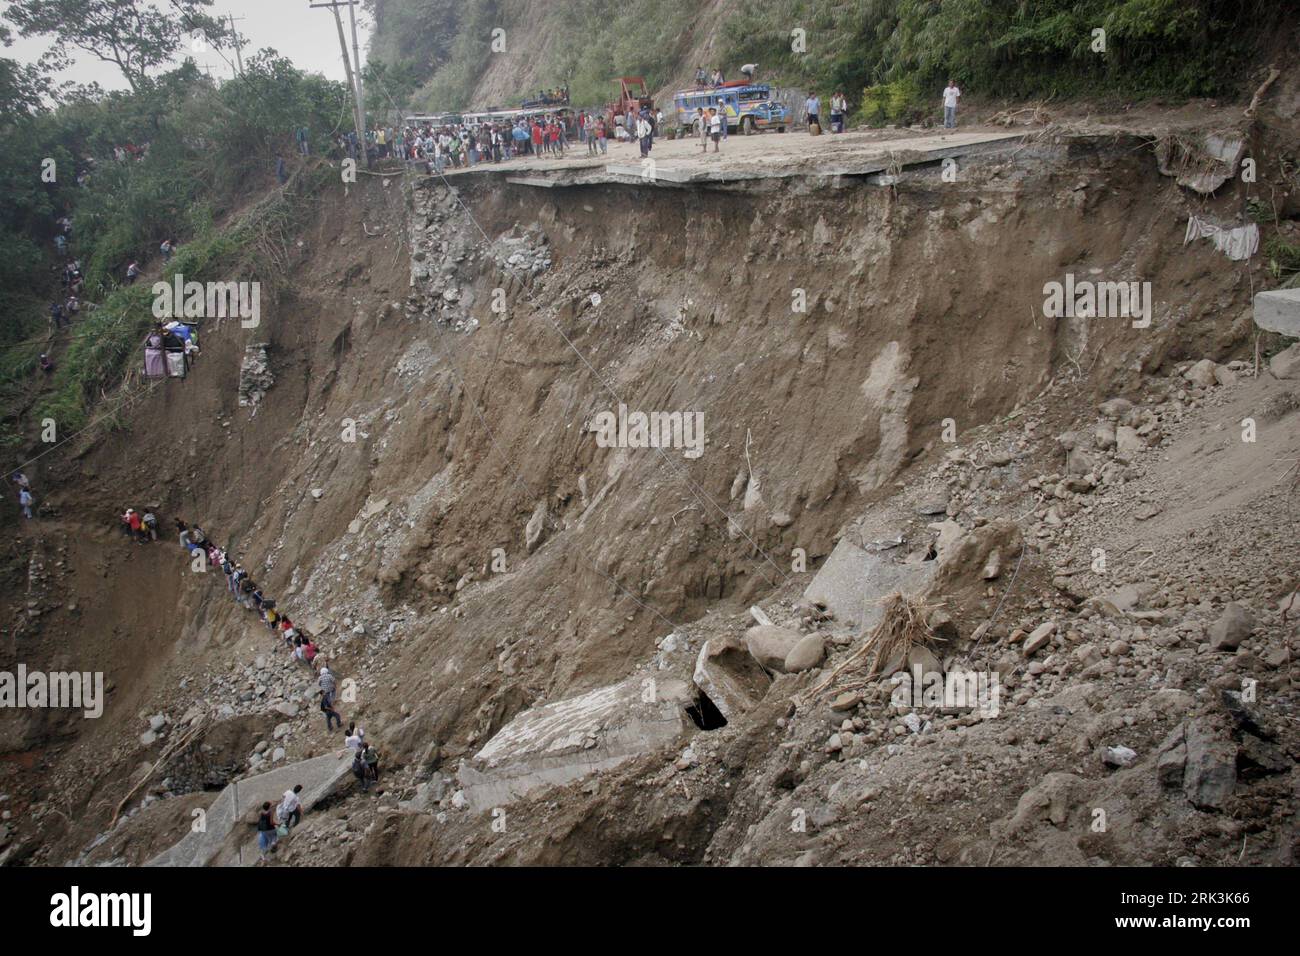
column 211, row 150
column 442, row 47
column 895, row 55
column 889, row 57
column 1283, row 259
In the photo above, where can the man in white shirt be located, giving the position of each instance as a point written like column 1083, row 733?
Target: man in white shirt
column 715, row 127
column 950, row 96
column 644, row 132
column 291, row 807
column 813, row 106
column 839, row 106
column 355, row 740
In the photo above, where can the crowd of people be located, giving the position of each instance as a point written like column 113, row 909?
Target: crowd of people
column 141, row 526
column 460, row 145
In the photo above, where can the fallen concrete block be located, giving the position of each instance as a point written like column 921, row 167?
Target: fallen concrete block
column 853, row 582
column 321, row 777
column 1278, row 310
column 552, row 744
column 727, row 673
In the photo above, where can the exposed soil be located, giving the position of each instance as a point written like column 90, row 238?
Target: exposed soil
column 924, row 309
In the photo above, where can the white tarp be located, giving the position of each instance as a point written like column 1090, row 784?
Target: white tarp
column 1240, row 242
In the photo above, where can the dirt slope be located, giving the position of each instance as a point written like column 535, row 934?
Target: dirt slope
column 411, row 430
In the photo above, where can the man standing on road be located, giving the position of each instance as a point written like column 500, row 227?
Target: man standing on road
column 813, row 106
column 839, row 106
column 950, row 96
column 645, row 133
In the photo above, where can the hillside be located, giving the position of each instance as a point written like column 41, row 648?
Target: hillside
column 438, row 55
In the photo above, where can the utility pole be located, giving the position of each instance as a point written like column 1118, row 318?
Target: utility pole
column 356, row 56
column 239, row 50
column 354, row 78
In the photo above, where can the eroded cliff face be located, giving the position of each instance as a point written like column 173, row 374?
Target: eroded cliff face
column 422, row 484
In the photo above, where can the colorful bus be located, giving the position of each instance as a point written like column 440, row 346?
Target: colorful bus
column 748, row 107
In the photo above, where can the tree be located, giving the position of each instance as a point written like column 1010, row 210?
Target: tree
column 134, row 35
column 23, row 88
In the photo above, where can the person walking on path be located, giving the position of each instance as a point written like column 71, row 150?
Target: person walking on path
column 331, row 715
column 950, row 96
column 359, row 770
column 290, row 812
column 370, row 756
column 25, row 501
column 266, row 835
column 327, row 688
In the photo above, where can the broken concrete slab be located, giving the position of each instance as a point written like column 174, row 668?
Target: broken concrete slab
column 1278, row 310
column 730, row 676
column 852, row 583
column 552, row 744
column 320, row 777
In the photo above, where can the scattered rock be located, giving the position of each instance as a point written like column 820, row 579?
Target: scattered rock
column 1233, row 626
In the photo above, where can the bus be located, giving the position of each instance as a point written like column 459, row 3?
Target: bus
column 434, row 120
column 747, row 107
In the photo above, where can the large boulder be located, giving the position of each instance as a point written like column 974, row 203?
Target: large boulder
column 1233, row 626
column 535, row 530
column 805, row 655
column 1210, row 773
column 769, row 644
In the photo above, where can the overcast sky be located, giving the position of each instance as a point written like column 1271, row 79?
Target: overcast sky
column 307, row 37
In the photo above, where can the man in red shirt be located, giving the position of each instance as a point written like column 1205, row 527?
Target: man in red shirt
column 133, row 519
